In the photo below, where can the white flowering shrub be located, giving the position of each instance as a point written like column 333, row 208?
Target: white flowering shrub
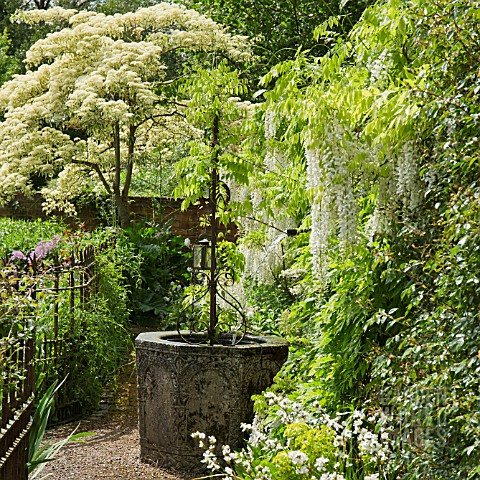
column 98, row 96
column 291, row 442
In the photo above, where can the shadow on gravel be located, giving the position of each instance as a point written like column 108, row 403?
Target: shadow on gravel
column 113, row 452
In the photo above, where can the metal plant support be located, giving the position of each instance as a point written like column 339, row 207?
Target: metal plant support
column 225, row 324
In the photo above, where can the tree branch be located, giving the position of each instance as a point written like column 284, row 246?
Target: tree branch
column 95, row 167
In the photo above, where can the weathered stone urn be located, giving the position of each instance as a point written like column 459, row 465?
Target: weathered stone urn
column 184, row 388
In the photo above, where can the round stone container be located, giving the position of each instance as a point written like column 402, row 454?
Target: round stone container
column 185, row 388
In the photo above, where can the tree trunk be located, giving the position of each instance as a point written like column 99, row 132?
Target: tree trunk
column 121, row 201
column 123, row 211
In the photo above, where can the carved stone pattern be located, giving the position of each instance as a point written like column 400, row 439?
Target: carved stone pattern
column 182, row 391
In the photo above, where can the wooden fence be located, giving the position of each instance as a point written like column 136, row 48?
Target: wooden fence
column 31, row 360
column 16, row 395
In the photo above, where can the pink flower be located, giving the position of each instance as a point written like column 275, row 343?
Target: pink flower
column 18, row 255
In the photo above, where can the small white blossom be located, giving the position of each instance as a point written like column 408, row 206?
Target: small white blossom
column 320, row 463
column 303, row 470
column 297, row 457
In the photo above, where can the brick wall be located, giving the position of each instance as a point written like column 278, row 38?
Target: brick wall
column 185, row 223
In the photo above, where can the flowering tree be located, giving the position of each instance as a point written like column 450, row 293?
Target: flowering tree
column 97, row 96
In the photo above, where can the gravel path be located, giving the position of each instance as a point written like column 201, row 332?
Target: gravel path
column 113, row 453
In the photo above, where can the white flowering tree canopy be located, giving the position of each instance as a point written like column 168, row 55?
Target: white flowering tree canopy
column 97, row 95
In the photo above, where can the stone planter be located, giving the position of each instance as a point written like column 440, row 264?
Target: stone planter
column 184, row 388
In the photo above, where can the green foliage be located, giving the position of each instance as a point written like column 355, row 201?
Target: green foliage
column 8, row 64
column 425, row 373
column 101, row 330
column 91, row 327
column 314, row 442
column 39, row 455
column 111, row 7
column 266, row 302
column 280, row 28
column 159, row 275
column 291, row 442
column 362, row 309
column 214, row 100
column 25, row 236
column 395, row 322
column 156, row 177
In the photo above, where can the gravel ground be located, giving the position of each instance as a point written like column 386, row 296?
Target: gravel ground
column 113, row 451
